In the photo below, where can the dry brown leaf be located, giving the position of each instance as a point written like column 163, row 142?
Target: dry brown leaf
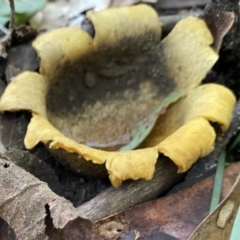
column 33, row 211
column 87, row 91
column 21, row 58
column 35, row 166
column 176, row 215
column 64, row 13
column 219, row 224
column 219, row 22
column 12, row 127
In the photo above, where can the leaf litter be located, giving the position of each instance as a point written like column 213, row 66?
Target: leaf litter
column 153, row 234
column 178, row 214
column 29, row 220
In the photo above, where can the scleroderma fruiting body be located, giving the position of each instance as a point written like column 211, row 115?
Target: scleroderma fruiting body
column 91, row 92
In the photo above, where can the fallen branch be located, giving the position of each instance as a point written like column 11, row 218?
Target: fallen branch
column 130, row 194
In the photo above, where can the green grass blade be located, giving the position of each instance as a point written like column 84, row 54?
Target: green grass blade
column 217, row 187
column 235, row 142
column 142, row 129
column 235, row 234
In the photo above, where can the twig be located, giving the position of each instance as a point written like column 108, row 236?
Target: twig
column 173, row 4
column 12, row 19
column 6, row 40
column 131, row 193
column 168, row 22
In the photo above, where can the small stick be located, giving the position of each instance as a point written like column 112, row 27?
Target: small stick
column 131, row 193
column 12, row 20
column 168, row 22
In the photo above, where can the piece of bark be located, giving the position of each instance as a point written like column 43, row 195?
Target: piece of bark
column 173, row 4
column 131, row 193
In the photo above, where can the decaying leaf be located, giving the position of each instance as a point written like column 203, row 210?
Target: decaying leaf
column 64, row 13
column 62, row 182
column 36, row 167
column 219, row 22
column 91, row 93
column 13, row 127
column 33, row 211
column 218, row 225
column 176, row 215
column 21, row 58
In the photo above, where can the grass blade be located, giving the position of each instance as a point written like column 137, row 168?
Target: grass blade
column 217, row 187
